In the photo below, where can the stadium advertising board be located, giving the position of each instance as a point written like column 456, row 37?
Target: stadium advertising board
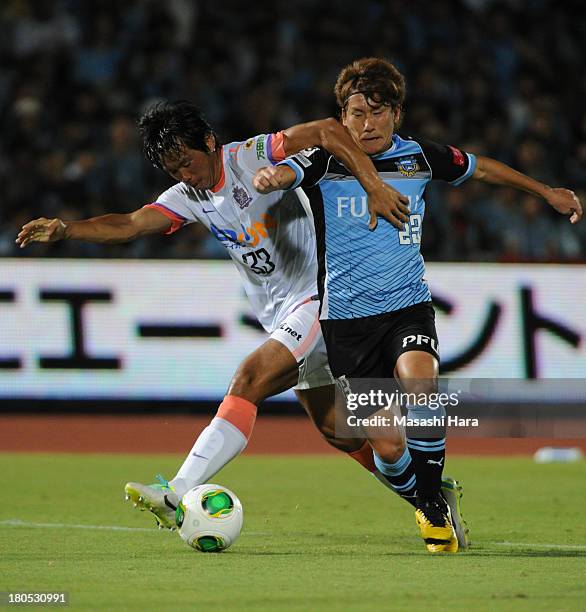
column 110, row 329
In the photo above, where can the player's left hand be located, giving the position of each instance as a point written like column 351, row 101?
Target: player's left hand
column 565, row 202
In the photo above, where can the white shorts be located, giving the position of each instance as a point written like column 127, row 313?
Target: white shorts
column 300, row 332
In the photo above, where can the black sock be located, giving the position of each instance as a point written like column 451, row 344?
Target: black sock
column 428, row 461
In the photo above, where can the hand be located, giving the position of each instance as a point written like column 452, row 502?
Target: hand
column 565, row 202
column 41, row 230
column 268, row 179
column 388, row 203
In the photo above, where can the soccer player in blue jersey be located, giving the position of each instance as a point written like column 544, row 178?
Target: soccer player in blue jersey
column 376, row 313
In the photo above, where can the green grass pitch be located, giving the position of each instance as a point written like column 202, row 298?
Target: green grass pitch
column 319, row 534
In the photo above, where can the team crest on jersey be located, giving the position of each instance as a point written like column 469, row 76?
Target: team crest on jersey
column 241, row 196
column 248, row 144
column 407, row 166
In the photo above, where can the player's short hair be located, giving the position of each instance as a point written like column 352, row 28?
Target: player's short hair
column 165, row 127
column 377, row 79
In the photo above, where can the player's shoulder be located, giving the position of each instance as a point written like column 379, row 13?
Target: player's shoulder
column 430, row 149
column 183, row 197
column 249, row 145
column 178, row 191
column 425, row 144
column 447, row 162
column 259, row 146
column 405, row 144
column 401, row 146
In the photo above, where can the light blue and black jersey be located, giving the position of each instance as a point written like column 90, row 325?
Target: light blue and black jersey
column 363, row 272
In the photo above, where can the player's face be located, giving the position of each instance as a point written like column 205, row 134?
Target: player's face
column 197, row 168
column 371, row 127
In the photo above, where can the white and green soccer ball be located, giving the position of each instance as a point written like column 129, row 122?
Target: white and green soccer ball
column 209, row 518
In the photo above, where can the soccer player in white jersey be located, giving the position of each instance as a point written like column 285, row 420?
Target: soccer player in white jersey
column 273, row 246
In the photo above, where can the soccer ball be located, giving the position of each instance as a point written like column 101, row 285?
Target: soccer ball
column 209, row 518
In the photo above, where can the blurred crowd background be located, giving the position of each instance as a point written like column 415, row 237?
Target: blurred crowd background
column 504, row 79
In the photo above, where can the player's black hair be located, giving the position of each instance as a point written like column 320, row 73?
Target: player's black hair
column 165, row 127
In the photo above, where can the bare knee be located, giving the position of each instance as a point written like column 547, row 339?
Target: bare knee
column 271, row 369
column 419, row 387
column 390, row 451
column 319, row 403
column 248, row 384
column 346, row 445
column 417, row 372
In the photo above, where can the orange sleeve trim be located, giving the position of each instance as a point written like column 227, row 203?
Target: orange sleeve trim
column 276, row 147
column 177, row 219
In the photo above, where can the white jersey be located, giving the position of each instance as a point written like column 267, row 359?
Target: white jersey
column 269, row 237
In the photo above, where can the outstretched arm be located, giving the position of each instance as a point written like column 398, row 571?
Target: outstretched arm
column 107, row 229
column 563, row 200
column 332, row 136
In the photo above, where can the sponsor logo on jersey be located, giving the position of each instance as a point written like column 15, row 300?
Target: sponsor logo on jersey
column 248, row 237
column 241, row 196
column 290, row 331
column 407, row 166
column 457, row 156
column 260, row 148
column 303, row 157
column 357, row 207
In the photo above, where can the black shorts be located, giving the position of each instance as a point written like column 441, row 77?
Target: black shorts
column 369, row 347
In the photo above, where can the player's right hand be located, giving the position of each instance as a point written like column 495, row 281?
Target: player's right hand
column 388, row 203
column 272, row 178
column 41, row 230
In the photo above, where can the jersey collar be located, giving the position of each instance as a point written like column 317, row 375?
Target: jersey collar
column 394, row 141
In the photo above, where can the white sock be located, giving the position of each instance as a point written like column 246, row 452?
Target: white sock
column 216, row 446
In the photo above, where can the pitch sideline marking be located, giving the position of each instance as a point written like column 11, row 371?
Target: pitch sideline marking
column 19, row 523
column 535, row 545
